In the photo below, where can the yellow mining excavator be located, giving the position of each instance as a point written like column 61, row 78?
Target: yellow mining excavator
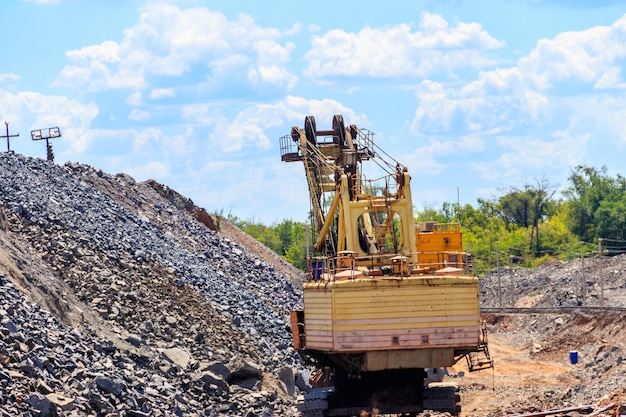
column 387, row 301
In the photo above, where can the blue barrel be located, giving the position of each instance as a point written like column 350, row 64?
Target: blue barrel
column 317, row 268
column 573, row 357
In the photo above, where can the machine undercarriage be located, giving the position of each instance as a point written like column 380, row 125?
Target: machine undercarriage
column 398, row 392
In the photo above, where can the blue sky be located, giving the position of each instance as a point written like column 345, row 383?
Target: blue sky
column 473, row 96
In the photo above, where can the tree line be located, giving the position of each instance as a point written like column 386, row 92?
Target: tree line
column 527, row 224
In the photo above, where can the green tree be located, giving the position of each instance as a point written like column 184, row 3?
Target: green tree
column 541, row 197
column 596, row 204
column 527, row 208
column 558, row 240
column 516, row 207
column 295, row 253
column 483, row 233
column 287, row 238
column 430, row 215
column 285, row 232
column 610, row 219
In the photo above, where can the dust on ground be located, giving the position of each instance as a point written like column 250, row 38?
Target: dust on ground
column 534, row 372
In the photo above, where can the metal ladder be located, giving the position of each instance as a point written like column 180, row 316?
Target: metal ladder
column 480, row 358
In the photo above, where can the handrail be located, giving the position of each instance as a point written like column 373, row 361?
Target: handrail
column 388, row 265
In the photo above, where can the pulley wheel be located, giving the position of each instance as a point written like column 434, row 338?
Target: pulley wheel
column 339, row 131
column 310, row 129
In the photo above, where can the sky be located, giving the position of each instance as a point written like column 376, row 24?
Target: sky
column 475, row 97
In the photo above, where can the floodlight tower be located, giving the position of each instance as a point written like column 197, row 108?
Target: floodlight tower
column 47, row 134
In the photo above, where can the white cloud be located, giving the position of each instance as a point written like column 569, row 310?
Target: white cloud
column 591, row 57
column 267, row 72
column 219, row 167
column 159, row 93
column 426, row 159
column 202, row 114
column 108, row 65
column 557, row 77
column 397, row 51
column 151, row 170
column 135, row 99
column 246, row 130
column 107, row 52
column 83, row 138
column 136, row 114
column 273, row 75
column 613, row 112
column 537, row 116
column 181, row 144
column 444, row 109
column 295, row 109
column 9, row 76
column 143, row 138
column 249, row 127
column 314, row 28
column 170, row 42
column 563, row 148
column 31, row 110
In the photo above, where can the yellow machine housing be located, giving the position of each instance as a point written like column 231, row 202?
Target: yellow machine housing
column 385, row 298
column 400, row 322
column 440, row 245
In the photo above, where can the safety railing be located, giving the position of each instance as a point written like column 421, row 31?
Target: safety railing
column 383, row 188
column 347, row 265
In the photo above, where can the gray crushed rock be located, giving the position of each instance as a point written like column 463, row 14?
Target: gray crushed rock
column 115, row 301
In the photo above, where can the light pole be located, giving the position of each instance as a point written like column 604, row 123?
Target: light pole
column 600, row 272
column 582, row 275
column 47, row 134
column 9, row 136
column 498, row 274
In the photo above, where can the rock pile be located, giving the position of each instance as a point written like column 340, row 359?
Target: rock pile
column 48, row 369
column 558, row 284
column 161, row 315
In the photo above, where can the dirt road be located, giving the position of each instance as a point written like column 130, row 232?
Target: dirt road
column 517, row 383
column 533, row 371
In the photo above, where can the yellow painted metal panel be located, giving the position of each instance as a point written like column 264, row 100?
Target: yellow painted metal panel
column 404, row 302
column 365, row 302
column 398, row 315
column 441, row 336
column 318, row 324
column 409, row 294
column 424, row 358
column 393, row 314
column 404, row 324
column 398, row 312
column 434, row 335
